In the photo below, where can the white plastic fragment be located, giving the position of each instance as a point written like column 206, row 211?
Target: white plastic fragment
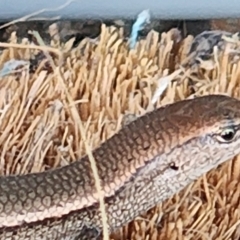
column 163, row 83
column 162, row 86
column 11, row 65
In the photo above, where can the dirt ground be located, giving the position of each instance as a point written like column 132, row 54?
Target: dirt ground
column 91, row 28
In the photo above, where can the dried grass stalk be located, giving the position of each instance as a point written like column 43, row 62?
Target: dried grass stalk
column 106, row 80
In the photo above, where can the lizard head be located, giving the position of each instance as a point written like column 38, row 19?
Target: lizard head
column 213, row 136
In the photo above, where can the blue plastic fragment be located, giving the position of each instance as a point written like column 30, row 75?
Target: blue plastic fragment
column 142, row 19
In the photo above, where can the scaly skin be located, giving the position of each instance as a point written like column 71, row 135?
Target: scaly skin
column 146, row 162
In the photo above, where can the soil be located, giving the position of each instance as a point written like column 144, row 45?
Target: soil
column 91, row 28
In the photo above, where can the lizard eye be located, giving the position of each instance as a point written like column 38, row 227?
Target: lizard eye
column 227, row 135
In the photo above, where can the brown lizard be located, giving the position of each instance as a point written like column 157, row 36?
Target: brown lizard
column 146, row 162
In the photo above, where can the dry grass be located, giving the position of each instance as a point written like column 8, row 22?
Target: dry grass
column 102, row 81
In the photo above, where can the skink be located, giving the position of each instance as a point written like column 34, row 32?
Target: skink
column 146, row 162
